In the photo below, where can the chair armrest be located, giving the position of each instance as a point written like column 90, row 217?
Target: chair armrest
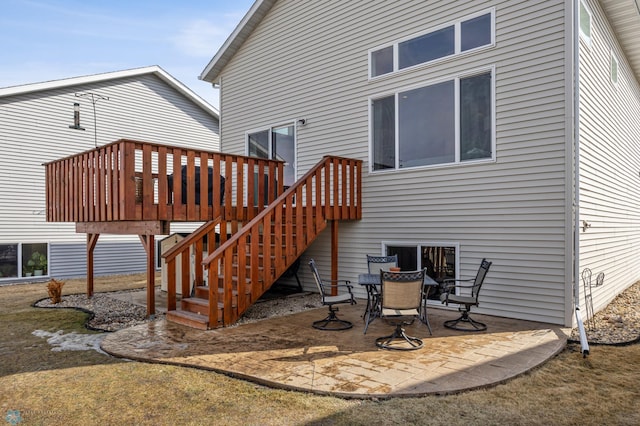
column 328, row 285
column 337, row 281
column 448, row 287
column 338, row 284
column 450, row 284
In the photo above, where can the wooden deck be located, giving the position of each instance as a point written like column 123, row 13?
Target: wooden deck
column 139, row 181
column 254, row 227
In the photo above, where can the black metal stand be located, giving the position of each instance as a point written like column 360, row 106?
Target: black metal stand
column 387, row 342
column 332, row 322
column 465, row 319
column 373, row 307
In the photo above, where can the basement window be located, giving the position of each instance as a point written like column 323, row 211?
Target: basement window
column 23, row 260
column 440, row 259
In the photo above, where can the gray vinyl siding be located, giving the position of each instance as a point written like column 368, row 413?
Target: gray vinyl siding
column 69, row 260
column 34, row 129
column 312, row 62
column 609, row 163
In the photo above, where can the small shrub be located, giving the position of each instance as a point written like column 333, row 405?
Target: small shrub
column 55, row 290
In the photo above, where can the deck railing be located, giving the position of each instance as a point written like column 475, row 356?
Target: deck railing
column 138, row 181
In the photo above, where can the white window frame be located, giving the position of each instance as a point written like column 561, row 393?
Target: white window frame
column 418, row 245
column 614, row 71
column 457, row 44
column 269, row 130
column 457, row 161
column 258, row 130
column 20, row 265
column 583, row 36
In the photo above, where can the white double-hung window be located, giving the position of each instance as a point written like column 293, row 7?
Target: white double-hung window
column 443, row 122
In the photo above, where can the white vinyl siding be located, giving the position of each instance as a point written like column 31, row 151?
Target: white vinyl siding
column 34, row 129
column 511, row 211
column 609, row 164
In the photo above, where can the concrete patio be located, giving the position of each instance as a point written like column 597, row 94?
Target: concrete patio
column 286, row 352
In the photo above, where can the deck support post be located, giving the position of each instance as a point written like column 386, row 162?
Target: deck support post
column 334, row 255
column 92, row 240
column 148, row 241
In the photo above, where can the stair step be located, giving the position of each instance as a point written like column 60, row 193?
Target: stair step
column 200, row 305
column 202, row 293
column 190, row 319
column 195, row 305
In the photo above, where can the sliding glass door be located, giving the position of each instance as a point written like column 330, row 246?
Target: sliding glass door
column 279, row 143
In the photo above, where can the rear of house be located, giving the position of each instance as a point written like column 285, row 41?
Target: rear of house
column 37, row 126
column 464, row 113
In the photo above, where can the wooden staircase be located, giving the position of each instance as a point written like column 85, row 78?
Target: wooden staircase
column 242, row 260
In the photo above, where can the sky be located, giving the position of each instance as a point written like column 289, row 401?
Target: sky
column 43, row 40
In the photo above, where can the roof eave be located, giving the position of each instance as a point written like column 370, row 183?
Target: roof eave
column 624, row 17
column 76, row 81
column 239, row 35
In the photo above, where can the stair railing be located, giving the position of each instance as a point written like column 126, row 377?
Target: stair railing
column 268, row 244
column 194, row 245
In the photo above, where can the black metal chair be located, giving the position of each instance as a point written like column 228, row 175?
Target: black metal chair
column 377, row 263
column 374, row 265
column 401, row 297
column 326, row 289
column 465, row 322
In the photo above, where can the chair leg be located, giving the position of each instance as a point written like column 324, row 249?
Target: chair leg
column 333, row 320
column 465, row 319
column 372, row 312
column 386, row 342
column 423, row 315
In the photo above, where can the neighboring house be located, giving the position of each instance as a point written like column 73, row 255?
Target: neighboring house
column 37, row 126
column 499, row 129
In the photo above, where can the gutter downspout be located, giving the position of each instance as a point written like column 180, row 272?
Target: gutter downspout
column 576, row 136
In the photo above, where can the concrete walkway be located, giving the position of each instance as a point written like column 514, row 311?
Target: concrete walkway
column 286, row 352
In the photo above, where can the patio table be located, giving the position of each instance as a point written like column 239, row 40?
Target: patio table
column 372, row 284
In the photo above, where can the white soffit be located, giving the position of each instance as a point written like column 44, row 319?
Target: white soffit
column 624, row 17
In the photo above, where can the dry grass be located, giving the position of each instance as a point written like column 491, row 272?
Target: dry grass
column 90, row 388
